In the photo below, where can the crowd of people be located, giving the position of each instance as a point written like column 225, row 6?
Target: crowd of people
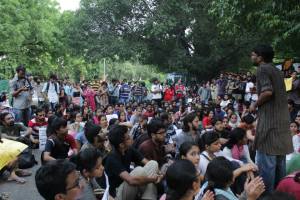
column 234, row 137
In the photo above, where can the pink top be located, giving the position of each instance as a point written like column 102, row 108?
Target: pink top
column 89, row 95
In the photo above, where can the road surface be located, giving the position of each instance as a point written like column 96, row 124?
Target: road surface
column 25, row 191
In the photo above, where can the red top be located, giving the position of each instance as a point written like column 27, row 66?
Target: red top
column 288, row 185
column 179, row 89
column 36, row 125
column 169, row 94
column 70, row 140
column 206, row 122
column 148, row 114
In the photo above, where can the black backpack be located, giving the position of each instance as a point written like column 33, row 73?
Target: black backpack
column 48, row 85
column 26, row 159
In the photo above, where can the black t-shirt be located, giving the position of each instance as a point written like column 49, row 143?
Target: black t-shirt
column 116, row 163
column 58, row 149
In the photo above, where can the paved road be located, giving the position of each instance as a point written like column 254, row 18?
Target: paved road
column 25, row 191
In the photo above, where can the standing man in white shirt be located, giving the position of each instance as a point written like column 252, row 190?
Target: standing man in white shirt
column 51, row 91
column 156, row 90
column 249, row 86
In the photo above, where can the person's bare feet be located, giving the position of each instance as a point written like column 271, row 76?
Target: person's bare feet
column 14, row 177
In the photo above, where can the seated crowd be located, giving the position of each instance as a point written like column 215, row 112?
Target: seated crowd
column 181, row 144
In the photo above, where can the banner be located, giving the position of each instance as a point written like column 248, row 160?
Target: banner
column 42, row 138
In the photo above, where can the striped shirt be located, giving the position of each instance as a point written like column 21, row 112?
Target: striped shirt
column 124, row 91
column 137, row 90
column 272, row 134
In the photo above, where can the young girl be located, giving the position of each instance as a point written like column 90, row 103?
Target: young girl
column 210, row 145
column 294, row 127
column 97, row 116
column 207, row 120
column 183, row 182
column 236, row 147
column 77, row 125
column 122, row 117
column 220, row 176
column 89, row 163
column 234, row 121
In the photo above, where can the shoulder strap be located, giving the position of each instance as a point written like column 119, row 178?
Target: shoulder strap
column 55, row 86
column 205, row 156
column 47, row 86
column 52, row 140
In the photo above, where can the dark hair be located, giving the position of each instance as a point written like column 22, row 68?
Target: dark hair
column 154, row 126
column 3, row 115
column 119, row 116
column 57, row 123
column 207, row 139
column 51, row 178
column 21, row 68
column 116, row 135
column 294, row 122
column 86, row 159
column 235, row 136
column 219, row 173
column 53, row 76
column 180, row 177
column 164, row 116
column 73, row 116
column 185, row 148
column 49, row 129
column 91, row 131
column 248, row 119
column 188, row 119
column 38, row 110
column 297, row 177
column 291, row 102
column 277, row 195
column 215, row 120
column 112, row 122
column 265, row 51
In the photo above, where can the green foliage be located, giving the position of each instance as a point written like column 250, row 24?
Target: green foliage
column 140, row 38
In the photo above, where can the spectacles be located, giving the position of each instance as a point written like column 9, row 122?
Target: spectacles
column 78, row 184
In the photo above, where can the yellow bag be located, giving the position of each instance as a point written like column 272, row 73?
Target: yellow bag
column 9, row 150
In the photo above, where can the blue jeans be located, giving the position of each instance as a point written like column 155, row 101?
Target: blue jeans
column 138, row 99
column 124, row 101
column 22, row 115
column 271, row 169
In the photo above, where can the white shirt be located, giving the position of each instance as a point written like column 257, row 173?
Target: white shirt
column 203, row 162
column 52, row 94
column 224, row 103
column 249, row 85
column 227, row 153
column 296, row 143
column 155, row 88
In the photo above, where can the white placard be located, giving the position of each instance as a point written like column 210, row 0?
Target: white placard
column 113, row 116
column 42, row 138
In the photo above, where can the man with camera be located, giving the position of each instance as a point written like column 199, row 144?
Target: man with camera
column 21, row 90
